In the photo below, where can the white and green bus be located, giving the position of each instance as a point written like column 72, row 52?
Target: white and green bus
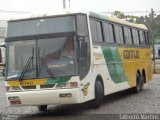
column 74, row 58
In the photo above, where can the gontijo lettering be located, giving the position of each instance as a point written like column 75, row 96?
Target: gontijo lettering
column 131, row 54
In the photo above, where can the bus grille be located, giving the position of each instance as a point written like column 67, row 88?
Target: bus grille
column 47, row 86
column 29, row 87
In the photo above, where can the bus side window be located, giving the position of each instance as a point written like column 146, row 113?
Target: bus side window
column 121, row 32
column 142, row 38
column 111, row 33
column 106, row 32
column 96, row 31
column 99, row 31
column 130, row 29
column 129, row 37
column 93, row 30
column 117, row 34
column 82, row 28
column 139, row 37
column 127, row 34
column 135, row 37
column 147, row 38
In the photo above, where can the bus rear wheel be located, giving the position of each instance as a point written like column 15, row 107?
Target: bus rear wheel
column 99, row 95
column 42, row 107
column 142, row 82
column 138, row 86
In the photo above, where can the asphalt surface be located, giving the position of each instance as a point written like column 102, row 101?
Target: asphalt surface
column 146, row 102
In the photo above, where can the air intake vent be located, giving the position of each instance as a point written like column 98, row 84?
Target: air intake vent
column 47, row 86
column 29, row 87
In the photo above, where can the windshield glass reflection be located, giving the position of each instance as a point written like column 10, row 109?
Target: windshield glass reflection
column 58, row 55
column 51, row 58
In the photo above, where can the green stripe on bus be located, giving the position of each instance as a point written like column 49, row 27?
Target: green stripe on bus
column 58, row 80
column 114, row 64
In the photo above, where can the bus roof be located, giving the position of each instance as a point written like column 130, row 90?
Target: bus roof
column 91, row 14
column 116, row 20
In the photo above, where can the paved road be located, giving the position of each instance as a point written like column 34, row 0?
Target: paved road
column 148, row 101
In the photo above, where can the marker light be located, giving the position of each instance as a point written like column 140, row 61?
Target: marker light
column 13, row 89
column 67, row 85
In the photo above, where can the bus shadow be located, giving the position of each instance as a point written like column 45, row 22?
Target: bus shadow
column 69, row 111
column 117, row 96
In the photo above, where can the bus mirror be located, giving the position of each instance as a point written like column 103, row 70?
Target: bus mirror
column 84, row 49
column 80, row 38
column 2, row 65
column 159, row 52
column 1, row 60
column 0, row 55
column 2, row 73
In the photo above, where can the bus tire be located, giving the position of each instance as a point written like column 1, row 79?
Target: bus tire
column 42, row 107
column 142, row 82
column 137, row 88
column 99, row 95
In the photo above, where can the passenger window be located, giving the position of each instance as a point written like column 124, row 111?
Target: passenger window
column 121, row 33
column 111, row 33
column 147, row 38
column 130, row 29
column 135, row 37
column 82, row 28
column 99, row 32
column 106, row 32
column 129, row 37
column 93, row 30
column 142, row 38
column 127, row 34
column 117, row 34
column 96, row 31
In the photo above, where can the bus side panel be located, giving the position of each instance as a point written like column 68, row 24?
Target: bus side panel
column 117, row 68
column 112, row 69
column 135, row 59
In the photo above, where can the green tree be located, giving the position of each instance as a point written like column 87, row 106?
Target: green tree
column 140, row 20
column 119, row 14
column 151, row 21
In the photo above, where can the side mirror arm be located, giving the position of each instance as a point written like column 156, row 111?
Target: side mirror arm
column 3, row 46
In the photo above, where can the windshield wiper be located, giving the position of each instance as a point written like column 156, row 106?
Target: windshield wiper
column 46, row 68
column 27, row 66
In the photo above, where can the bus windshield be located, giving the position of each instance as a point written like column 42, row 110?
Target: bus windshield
column 41, row 58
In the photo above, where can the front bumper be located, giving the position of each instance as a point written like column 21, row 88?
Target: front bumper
column 45, row 97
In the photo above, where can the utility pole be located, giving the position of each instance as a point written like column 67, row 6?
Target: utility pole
column 153, row 32
column 69, row 3
column 64, row 4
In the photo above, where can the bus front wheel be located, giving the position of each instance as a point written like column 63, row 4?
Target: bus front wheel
column 99, row 95
column 42, row 107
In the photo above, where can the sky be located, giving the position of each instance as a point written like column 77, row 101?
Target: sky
column 48, row 6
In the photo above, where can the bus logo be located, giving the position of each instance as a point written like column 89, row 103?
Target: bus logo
column 131, row 54
column 85, row 89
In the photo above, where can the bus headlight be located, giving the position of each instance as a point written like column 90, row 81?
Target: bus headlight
column 14, row 100
column 67, row 85
column 13, row 88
